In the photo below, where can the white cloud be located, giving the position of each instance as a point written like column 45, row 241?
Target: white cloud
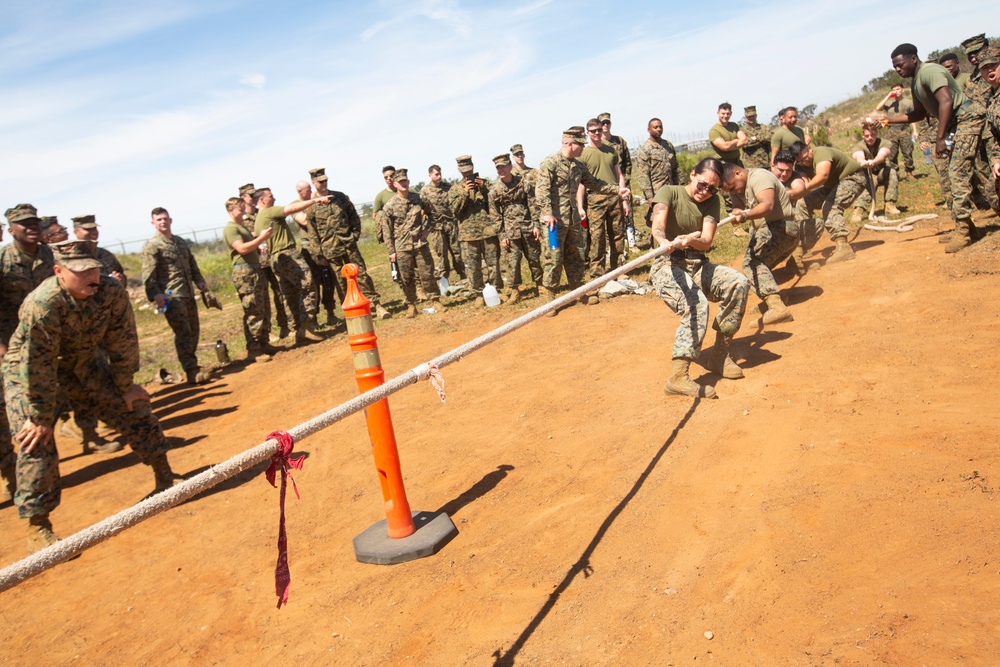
column 253, row 80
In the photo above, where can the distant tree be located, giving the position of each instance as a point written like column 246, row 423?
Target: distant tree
column 807, row 112
column 366, row 210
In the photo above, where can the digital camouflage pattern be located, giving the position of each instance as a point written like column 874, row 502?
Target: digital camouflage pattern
column 167, row 264
column 970, row 120
column 19, row 275
column 512, row 205
column 406, row 223
column 443, row 239
column 53, row 357
column 182, row 316
column 471, row 210
column 886, row 176
column 251, row 288
column 770, row 244
column 334, row 230
column 757, row 152
column 416, row 264
column 686, row 286
column 624, row 155
column 928, row 133
column 296, row 286
column 476, row 255
column 656, row 166
column 606, row 232
column 838, row 201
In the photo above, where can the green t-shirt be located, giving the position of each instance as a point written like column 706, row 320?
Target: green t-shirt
column 870, row 152
column 930, row 78
column 842, row 165
column 236, row 232
column 727, row 133
column 601, row 162
column 684, row 214
column 759, row 180
column 380, row 200
column 962, row 79
column 282, row 239
column 784, row 137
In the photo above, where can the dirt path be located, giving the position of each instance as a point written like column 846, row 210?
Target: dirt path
column 835, row 507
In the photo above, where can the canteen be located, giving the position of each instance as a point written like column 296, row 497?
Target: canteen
column 221, row 352
column 490, row 295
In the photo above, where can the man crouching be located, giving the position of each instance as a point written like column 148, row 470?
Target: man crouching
column 51, row 357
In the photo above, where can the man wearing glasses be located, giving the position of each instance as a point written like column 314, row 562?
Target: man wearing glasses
column 605, row 223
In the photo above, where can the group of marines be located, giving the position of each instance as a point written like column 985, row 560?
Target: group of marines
column 67, row 331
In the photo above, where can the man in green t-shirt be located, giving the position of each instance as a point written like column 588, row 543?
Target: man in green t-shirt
column 874, row 154
column 381, row 198
column 960, row 125
column 280, row 307
column 296, row 285
column 605, row 222
column 726, row 137
column 840, row 176
column 249, row 280
column 789, row 132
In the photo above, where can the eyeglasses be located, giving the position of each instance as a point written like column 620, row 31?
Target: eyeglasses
column 593, row 130
column 606, row 122
column 705, row 187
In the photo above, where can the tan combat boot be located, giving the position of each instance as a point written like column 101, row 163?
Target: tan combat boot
column 438, row 306
column 94, row 442
column 515, row 295
column 858, row 216
column 797, row 261
column 411, row 311
column 961, row 237
column 679, row 382
column 721, row 363
column 8, row 479
column 307, row 332
column 548, row 296
column 776, row 310
column 40, row 533
column 381, row 312
column 162, row 474
column 890, row 208
column 198, row 377
column 842, row 252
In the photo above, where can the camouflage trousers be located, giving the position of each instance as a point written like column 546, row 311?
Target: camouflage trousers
column 251, row 287
column 296, row 287
column 770, row 245
column 416, row 265
column 686, row 286
column 326, row 287
column 567, row 256
column 982, row 174
column 970, row 120
column 902, row 145
column 941, row 166
column 887, row 177
column 759, row 157
column 838, row 201
column 182, row 316
column 39, row 488
column 524, row 246
column 280, row 307
column 352, row 255
column 606, row 233
column 474, row 254
column 7, row 454
column 445, row 250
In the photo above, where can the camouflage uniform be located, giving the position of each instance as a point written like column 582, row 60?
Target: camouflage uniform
column 334, row 230
column 928, row 133
column 406, row 223
column 168, row 265
column 687, row 281
column 477, row 235
column 109, row 263
column 52, row 357
column 513, row 207
column 19, row 275
column 251, row 288
column 886, row 176
column 968, row 128
column 980, row 91
column 757, row 153
column 555, row 189
column 656, row 166
column 270, row 280
column 901, row 135
column 443, row 238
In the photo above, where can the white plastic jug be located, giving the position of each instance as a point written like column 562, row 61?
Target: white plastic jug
column 443, row 286
column 490, row 295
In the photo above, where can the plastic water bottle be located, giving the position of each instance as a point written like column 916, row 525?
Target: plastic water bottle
column 443, row 285
column 554, row 238
column 395, row 271
column 221, row 352
column 927, row 155
column 630, row 235
column 166, row 303
column 490, row 295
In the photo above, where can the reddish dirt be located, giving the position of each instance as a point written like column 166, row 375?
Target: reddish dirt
column 834, row 507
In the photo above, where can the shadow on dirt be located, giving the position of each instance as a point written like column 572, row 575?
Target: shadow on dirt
column 506, row 658
column 489, row 482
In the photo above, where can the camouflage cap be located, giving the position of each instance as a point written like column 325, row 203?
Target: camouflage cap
column 247, row 189
column 990, row 56
column 750, row 110
column 974, row 44
column 464, row 164
column 400, row 175
column 318, row 174
column 76, row 255
column 576, row 133
column 47, row 221
column 604, row 116
column 21, row 213
column 517, row 148
column 85, row 222
column 501, row 159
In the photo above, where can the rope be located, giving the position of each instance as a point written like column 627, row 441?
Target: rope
column 897, row 226
column 64, row 549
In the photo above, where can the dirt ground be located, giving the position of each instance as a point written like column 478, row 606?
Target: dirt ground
column 836, row 507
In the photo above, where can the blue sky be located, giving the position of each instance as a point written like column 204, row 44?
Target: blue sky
column 116, row 107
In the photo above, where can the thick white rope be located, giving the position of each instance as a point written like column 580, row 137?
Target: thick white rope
column 904, row 225
column 64, row 549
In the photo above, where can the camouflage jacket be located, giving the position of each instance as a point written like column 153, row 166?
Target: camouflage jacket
column 992, row 131
column 556, row 183
column 656, row 165
column 471, row 209
column 109, row 263
column 333, row 226
column 757, row 152
column 406, row 222
column 19, row 274
column 167, row 264
column 978, row 89
column 513, row 207
column 624, row 155
column 437, row 198
column 56, row 340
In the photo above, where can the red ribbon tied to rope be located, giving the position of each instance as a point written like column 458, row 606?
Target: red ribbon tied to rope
column 283, row 461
